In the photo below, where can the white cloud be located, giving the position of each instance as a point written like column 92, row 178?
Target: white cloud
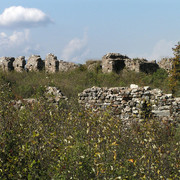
column 18, row 16
column 16, row 44
column 76, row 49
column 162, row 48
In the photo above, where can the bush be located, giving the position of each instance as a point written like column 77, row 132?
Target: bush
column 68, row 142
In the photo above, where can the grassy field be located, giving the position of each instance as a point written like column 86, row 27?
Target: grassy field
column 68, row 142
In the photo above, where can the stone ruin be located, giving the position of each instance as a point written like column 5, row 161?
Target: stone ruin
column 131, row 103
column 6, row 63
column 34, row 63
column 166, row 63
column 115, row 62
column 111, row 62
column 53, row 95
column 19, row 63
column 92, row 64
column 51, row 63
column 66, row 66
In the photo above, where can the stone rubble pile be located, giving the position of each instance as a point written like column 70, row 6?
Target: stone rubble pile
column 54, row 95
column 129, row 103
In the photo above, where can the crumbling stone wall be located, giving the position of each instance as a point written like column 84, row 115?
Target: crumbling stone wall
column 141, row 65
column 130, row 103
column 34, row 63
column 166, row 63
column 6, row 63
column 51, row 63
column 93, row 64
column 115, row 62
column 66, row 66
column 19, row 63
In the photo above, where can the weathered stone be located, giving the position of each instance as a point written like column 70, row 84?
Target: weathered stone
column 166, row 63
column 124, row 105
column 19, row 64
column 51, row 63
column 93, row 65
column 6, row 63
column 53, row 94
column 66, row 66
column 113, row 62
column 134, row 86
column 161, row 112
column 34, row 63
column 117, row 62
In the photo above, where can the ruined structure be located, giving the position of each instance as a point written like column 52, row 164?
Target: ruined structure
column 111, row 62
column 66, row 66
column 6, row 63
column 92, row 64
column 115, row 62
column 132, row 103
column 19, row 63
column 166, row 63
column 51, row 63
column 34, row 63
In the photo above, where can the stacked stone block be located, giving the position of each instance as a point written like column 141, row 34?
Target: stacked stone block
column 129, row 103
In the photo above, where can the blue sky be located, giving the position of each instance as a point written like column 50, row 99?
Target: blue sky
column 78, row 30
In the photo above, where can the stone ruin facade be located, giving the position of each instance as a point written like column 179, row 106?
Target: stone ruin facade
column 115, row 62
column 34, row 63
column 66, row 66
column 51, row 63
column 111, row 62
column 6, row 63
column 166, row 63
column 19, row 64
column 131, row 103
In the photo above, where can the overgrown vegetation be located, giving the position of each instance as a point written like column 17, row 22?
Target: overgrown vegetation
column 175, row 72
column 67, row 142
column 42, row 141
column 32, row 84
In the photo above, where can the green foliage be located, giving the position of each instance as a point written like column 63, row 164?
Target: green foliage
column 43, row 141
column 175, row 73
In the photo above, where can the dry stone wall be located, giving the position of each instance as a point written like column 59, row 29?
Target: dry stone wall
column 131, row 103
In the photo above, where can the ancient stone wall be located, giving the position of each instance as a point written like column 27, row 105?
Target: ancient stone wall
column 111, row 62
column 34, row 63
column 66, row 66
column 19, row 64
column 166, row 63
column 6, row 63
column 51, row 63
column 131, row 103
column 115, row 62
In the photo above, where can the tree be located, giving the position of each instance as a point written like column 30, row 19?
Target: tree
column 175, row 72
